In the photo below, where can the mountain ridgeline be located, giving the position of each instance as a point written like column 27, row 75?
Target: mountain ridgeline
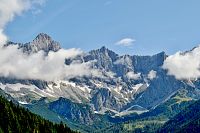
column 41, row 42
column 131, row 90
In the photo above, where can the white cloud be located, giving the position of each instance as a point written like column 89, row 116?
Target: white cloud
column 126, row 42
column 132, row 75
column 3, row 37
column 184, row 65
column 152, row 74
column 8, row 9
column 11, row 8
column 14, row 63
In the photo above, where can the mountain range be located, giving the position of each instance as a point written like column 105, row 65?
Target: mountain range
column 130, row 88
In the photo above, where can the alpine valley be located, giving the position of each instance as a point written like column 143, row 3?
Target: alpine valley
column 132, row 94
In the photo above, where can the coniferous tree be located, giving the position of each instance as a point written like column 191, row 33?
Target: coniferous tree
column 15, row 119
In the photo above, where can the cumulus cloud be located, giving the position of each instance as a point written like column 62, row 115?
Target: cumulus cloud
column 152, row 74
column 126, row 42
column 15, row 63
column 11, row 8
column 3, row 37
column 132, row 75
column 184, row 65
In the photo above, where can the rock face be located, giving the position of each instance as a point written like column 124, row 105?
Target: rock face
column 104, row 99
column 75, row 112
column 125, row 83
column 41, row 42
column 45, row 43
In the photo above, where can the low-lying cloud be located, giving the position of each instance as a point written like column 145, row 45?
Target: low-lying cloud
column 184, row 65
column 16, row 64
column 152, row 74
column 132, row 75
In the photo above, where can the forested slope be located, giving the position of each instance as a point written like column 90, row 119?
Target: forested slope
column 14, row 118
column 187, row 120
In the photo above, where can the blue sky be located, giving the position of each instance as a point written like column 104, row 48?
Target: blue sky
column 155, row 25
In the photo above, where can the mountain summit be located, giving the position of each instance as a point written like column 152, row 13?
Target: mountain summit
column 41, row 42
column 44, row 42
column 128, row 85
column 41, row 36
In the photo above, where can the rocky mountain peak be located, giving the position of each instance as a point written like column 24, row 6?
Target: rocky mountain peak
column 103, row 49
column 42, row 36
column 44, row 42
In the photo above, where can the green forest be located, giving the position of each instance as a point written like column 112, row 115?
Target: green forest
column 15, row 119
column 187, row 120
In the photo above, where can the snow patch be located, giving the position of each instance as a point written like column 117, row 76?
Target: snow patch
column 23, row 102
column 137, row 87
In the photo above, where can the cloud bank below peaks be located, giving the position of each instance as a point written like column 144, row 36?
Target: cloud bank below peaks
column 184, row 65
column 16, row 64
column 132, row 75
